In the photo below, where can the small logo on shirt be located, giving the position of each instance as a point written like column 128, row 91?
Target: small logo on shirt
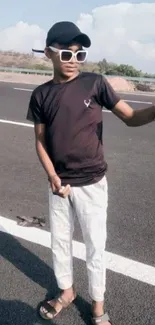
column 87, row 102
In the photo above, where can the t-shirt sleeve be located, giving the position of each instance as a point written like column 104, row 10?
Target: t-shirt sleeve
column 35, row 111
column 106, row 94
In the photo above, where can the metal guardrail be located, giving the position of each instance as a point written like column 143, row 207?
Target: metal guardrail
column 139, row 79
column 50, row 72
column 28, row 71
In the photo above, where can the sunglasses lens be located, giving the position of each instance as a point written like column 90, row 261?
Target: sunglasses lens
column 66, row 56
column 81, row 56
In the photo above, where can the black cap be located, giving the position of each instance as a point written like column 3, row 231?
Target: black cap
column 65, row 32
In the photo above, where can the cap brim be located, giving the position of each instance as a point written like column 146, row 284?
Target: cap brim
column 38, row 51
column 83, row 39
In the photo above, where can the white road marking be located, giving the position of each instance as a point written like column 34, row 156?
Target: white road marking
column 135, row 270
column 30, row 125
column 17, row 123
column 147, row 94
column 24, row 89
column 126, row 100
column 137, row 101
column 103, row 110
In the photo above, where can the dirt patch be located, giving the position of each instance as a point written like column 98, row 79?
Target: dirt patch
column 23, row 78
column 119, row 84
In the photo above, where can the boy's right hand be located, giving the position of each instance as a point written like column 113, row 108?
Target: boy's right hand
column 57, row 189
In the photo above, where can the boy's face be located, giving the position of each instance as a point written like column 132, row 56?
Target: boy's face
column 64, row 61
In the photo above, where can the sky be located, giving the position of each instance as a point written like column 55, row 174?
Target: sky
column 121, row 32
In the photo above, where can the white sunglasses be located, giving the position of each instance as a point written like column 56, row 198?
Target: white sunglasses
column 67, row 55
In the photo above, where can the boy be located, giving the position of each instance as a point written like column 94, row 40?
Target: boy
column 67, row 114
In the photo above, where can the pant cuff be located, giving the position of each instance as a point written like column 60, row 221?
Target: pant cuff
column 97, row 298
column 65, row 284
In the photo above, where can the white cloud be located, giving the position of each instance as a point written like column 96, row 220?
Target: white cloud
column 22, row 37
column 122, row 33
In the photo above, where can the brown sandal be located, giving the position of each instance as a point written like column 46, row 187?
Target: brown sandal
column 50, row 309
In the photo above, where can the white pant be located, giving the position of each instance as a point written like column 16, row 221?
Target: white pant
column 89, row 204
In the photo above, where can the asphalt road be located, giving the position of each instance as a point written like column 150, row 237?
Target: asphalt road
column 25, row 265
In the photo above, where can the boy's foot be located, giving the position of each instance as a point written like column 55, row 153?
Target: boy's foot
column 51, row 308
column 98, row 316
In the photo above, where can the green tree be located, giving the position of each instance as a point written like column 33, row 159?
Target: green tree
column 103, row 66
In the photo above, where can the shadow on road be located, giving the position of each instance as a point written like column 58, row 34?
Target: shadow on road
column 16, row 312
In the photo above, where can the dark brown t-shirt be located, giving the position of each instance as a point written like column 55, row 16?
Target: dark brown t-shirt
column 72, row 113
